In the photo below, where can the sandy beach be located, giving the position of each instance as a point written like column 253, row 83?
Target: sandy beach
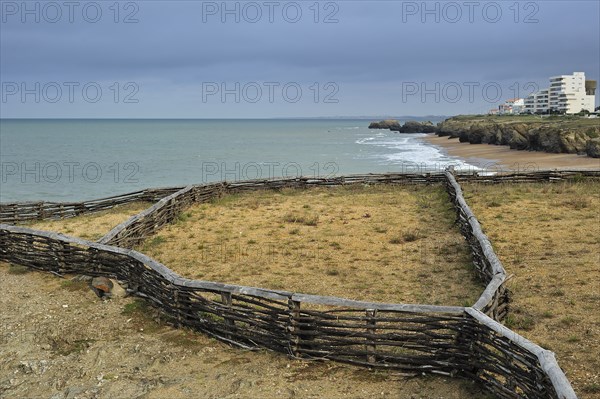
column 502, row 158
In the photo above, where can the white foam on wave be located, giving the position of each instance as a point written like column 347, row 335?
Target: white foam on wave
column 364, row 140
column 411, row 149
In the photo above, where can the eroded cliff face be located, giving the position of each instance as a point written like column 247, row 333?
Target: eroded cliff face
column 408, row 127
column 554, row 137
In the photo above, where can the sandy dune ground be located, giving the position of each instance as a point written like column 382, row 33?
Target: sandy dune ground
column 59, row 341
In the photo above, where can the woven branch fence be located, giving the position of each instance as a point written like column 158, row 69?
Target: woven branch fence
column 19, row 212
column 26, row 211
column 495, row 298
column 414, row 339
column 135, row 230
column 550, row 176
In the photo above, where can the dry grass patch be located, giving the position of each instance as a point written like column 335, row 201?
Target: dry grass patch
column 379, row 243
column 91, row 226
column 548, row 236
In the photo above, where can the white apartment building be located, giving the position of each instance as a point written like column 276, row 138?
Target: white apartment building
column 568, row 94
column 537, row 103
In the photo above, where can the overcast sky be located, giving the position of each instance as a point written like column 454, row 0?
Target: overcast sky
column 194, row 59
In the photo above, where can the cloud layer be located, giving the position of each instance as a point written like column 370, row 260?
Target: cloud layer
column 276, row 59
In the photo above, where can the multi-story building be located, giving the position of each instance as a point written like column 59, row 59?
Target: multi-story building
column 537, row 103
column 568, row 94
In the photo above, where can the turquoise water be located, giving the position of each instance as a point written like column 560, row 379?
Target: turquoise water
column 64, row 160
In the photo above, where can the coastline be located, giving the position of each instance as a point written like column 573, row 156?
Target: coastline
column 503, row 158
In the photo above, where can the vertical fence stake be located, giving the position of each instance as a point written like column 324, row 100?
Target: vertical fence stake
column 294, row 308
column 226, row 299
column 60, row 257
column 370, row 346
column 177, row 304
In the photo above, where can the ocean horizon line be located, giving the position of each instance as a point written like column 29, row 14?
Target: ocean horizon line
column 362, row 117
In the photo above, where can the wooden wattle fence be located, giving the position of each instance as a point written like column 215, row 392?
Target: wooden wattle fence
column 495, row 298
column 135, row 230
column 415, row 339
column 19, row 212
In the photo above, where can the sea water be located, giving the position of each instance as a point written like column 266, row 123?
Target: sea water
column 72, row 160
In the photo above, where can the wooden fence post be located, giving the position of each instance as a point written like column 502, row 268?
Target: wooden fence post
column 177, row 304
column 227, row 300
column 294, row 308
column 370, row 346
column 60, row 249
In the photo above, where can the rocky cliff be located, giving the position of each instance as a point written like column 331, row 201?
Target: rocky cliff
column 391, row 124
column 408, row 127
column 555, row 135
